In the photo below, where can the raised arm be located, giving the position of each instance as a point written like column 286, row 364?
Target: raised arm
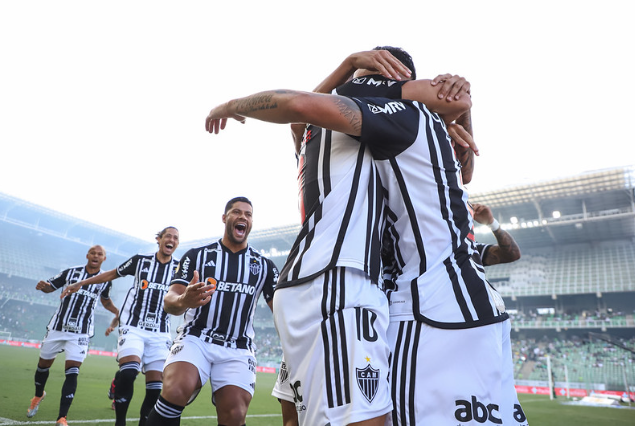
column 507, row 249
column 423, row 91
column 381, row 61
column 286, row 106
column 44, row 286
column 96, row 279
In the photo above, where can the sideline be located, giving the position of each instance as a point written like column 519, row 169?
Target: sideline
column 9, row 422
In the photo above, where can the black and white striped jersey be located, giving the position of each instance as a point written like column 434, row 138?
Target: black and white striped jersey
column 228, row 319
column 76, row 312
column 143, row 306
column 341, row 207
column 437, row 279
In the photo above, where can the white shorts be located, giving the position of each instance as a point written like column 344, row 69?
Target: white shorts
column 150, row 346
column 333, row 336
column 460, row 377
column 221, row 365
column 282, row 389
column 73, row 344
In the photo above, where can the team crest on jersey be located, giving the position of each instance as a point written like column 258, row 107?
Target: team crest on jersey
column 255, row 268
column 283, row 374
column 368, row 381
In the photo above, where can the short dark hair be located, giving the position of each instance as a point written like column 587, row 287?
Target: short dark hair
column 164, row 230
column 403, row 56
column 231, row 202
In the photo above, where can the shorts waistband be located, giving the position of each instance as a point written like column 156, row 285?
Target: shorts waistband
column 230, row 344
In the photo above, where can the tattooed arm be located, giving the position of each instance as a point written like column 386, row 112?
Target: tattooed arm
column 507, row 249
column 287, row 106
column 464, row 154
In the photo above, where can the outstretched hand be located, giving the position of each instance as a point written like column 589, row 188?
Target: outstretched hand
column 198, row 293
column 217, row 118
column 70, row 289
column 44, row 286
column 113, row 325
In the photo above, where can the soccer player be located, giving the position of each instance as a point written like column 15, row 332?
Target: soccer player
column 217, row 287
column 441, row 297
column 70, row 329
column 412, row 175
column 324, row 159
column 144, row 327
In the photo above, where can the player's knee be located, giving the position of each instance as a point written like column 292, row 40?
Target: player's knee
column 236, row 413
column 128, row 372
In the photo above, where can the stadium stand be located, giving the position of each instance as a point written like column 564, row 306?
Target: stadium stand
column 574, row 281
column 36, row 244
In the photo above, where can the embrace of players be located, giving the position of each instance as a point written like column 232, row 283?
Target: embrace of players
column 447, row 341
column 383, row 310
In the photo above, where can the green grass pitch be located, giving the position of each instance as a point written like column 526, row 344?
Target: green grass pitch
column 91, row 405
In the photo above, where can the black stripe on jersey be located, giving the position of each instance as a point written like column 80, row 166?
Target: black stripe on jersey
column 311, row 191
column 375, row 226
column 326, row 163
column 334, row 338
column 404, row 373
column 302, row 243
column 391, row 248
column 412, row 215
column 349, row 206
column 458, row 294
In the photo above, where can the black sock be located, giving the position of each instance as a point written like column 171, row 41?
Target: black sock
column 124, row 389
column 153, row 390
column 41, row 376
column 68, row 391
column 165, row 413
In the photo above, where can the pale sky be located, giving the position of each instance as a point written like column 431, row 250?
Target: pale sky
column 103, row 104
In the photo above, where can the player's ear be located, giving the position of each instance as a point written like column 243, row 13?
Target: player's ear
column 224, row 218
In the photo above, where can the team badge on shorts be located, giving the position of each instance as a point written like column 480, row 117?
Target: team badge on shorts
column 283, row 374
column 368, row 381
column 176, row 349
